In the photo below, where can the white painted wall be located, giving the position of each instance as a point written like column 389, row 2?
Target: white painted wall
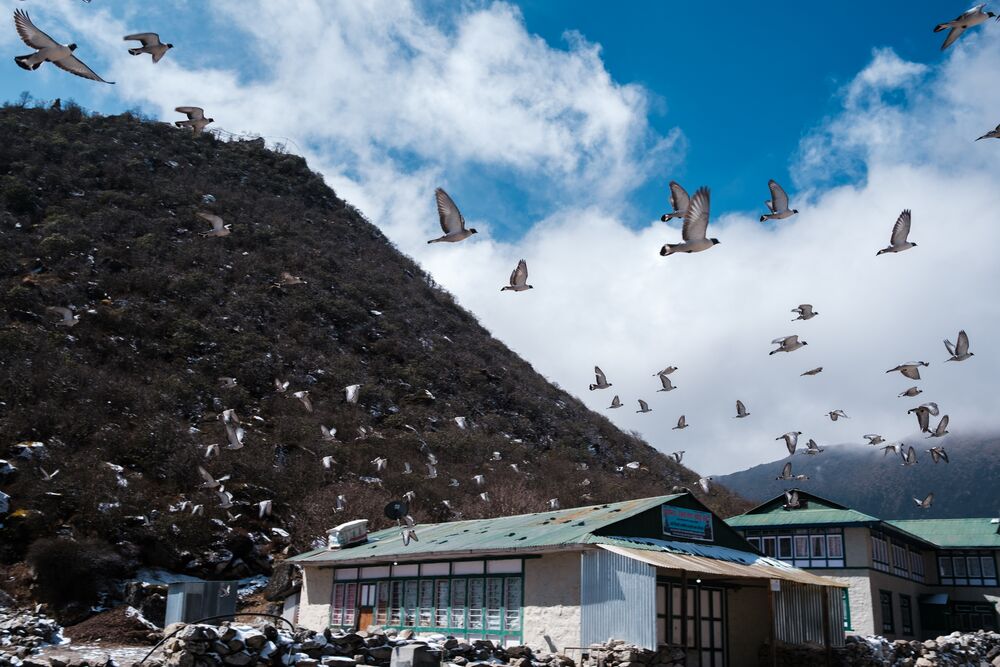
column 552, row 601
column 859, row 595
column 314, row 601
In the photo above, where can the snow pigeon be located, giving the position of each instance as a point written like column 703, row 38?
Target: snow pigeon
column 452, row 222
column 48, row 50
column 694, row 232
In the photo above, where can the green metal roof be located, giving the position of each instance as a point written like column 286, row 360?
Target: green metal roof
column 497, row 535
column 801, row 517
column 953, row 533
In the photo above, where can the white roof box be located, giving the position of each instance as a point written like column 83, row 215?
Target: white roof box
column 347, row 534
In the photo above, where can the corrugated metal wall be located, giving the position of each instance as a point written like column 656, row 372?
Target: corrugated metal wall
column 798, row 614
column 618, row 597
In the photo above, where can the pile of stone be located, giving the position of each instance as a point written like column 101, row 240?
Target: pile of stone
column 618, row 653
column 240, row 645
column 979, row 649
column 23, row 633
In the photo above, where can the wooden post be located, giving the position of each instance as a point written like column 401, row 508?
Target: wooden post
column 770, row 625
column 826, row 626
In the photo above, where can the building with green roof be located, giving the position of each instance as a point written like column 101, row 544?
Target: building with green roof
column 906, row 579
column 662, row 571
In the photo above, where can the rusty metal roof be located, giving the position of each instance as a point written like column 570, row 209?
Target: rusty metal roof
column 713, row 560
column 524, row 532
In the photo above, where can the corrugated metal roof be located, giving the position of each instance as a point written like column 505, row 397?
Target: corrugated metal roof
column 760, row 568
column 523, row 532
column 801, row 517
column 953, row 533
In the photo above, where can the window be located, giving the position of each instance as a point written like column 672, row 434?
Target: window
column 900, row 564
column 754, row 542
column 818, row 546
column 476, row 604
column 847, row 608
column 512, row 603
column 396, row 603
column 410, row 604
column 989, row 567
column 382, row 608
column 906, row 615
column 885, row 601
column 916, row 565
column 441, row 603
column 880, row 553
column 458, row 603
column 769, row 546
column 835, row 546
column 494, row 603
column 970, row 569
column 785, row 547
column 802, row 546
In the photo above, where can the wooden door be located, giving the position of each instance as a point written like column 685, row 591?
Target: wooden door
column 366, row 606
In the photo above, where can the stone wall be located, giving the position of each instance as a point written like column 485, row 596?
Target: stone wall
column 315, row 598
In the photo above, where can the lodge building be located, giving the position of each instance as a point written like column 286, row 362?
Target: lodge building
column 654, row 571
column 913, row 579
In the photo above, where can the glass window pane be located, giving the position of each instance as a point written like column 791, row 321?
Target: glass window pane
column 835, row 546
column 716, row 604
column 706, row 634
column 703, row 598
column 785, row 547
column 769, row 547
column 512, row 604
column 458, row 603
column 476, row 600
column 396, row 604
column 802, row 546
column 675, row 595
column 959, row 564
column 410, row 614
column 441, row 602
column 973, row 566
column 425, row 617
column 989, row 566
column 717, row 634
column 818, row 546
column 944, row 566
column 382, row 611
column 661, row 631
column 661, row 600
column 350, row 596
column 494, row 603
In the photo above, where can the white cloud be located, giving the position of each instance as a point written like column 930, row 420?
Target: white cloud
column 360, row 84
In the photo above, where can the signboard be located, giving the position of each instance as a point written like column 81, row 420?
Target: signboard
column 687, row 524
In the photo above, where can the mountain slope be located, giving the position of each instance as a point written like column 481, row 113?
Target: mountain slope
column 99, row 214
column 861, row 477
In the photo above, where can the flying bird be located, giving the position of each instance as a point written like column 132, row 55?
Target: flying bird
column 786, row 472
column 227, row 382
column 485, row 496
column 891, row 447
column 212, row 451
column 837, row 414
column 667, row 384
column 925, row 504
column 151, row 44
column 992, row 134
column 898, row 242
column 327, row 462
column 48, row 50
column 704, row 484
column 69, row 318
column 679, row 201
column 211, row 482
column 615, row 403
column 341, row 503
column 264, row 509
column 910, row 458
column 518, row 279
column 805, row 312
column 787, row 344
column 911, row 392
column 874, row 439
column 812, row 448
column 969, row 19
column 910, row 369
column 380, row 463
column 813, row 371
column 195, row 119
column 303, row 396
column 47, row 476
column 791, row 440
column 681, row 423
column 941, row 429
column 432, row 471
column 219, row 228
column 225, row 498
column 777, row 204
column 328, row 433
column 741, row 410
column 643, row 406
column 601, row 381
column 553, row 503
column 461, row 422
column 234, row 434
column 938, row 454
column 960, row 350
column 280, row 386
column 693, row 233
column 677, row 456
column 924, row 413
column 351, row 392
column 452, row 222
column 479, row 479
column 792, row 501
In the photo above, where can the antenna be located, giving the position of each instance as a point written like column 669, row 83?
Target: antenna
column 397, row 509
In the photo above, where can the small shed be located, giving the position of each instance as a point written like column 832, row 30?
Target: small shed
column 192, row 601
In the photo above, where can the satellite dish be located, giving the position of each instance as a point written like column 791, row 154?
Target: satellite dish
column 397, row 509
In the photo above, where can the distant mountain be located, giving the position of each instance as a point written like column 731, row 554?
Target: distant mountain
column 859, row 476
column 100, row 215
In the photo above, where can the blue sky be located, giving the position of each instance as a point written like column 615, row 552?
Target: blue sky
column 744, row 82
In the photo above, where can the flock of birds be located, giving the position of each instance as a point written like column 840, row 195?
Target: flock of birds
column 694, row 211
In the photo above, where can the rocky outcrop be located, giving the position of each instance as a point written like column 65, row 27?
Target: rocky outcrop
column 238, row 645
column 618, row 653
column 981, row 648
column 23, row 633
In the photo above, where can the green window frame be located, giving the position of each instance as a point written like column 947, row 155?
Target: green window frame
column 847, row 608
